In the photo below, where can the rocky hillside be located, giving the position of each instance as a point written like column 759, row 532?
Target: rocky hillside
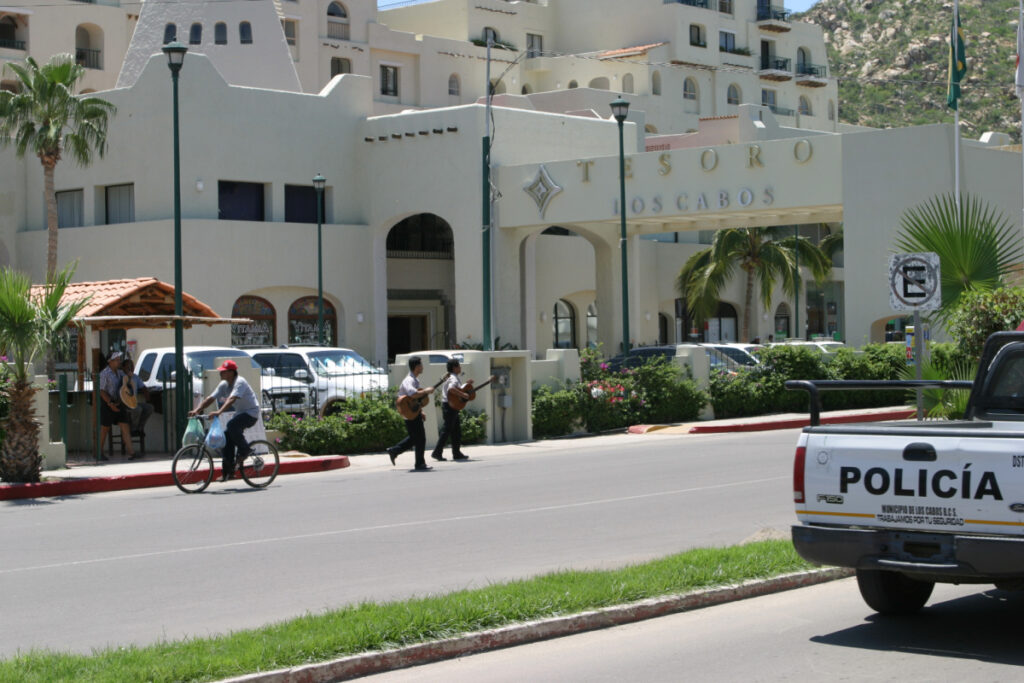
column 891, row 58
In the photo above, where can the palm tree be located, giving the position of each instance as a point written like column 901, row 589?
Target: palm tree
column 28, row 324
column 767, row 256
column 46, row 118
column 977, row 245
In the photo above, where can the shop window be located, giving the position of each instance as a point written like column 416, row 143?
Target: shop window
column 303, row 316
column 262, row 331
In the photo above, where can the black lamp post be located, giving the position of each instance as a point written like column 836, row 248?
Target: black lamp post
column 620, row 110
column 175, row 52
column 318, row 183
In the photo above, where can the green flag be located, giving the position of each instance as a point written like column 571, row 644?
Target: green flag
column 957, row 60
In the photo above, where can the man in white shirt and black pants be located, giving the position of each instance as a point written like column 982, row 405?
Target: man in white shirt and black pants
column 452, row 427
column 417, row 437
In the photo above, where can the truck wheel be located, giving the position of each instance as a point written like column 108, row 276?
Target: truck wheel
column 333, row 406
column 893, row 592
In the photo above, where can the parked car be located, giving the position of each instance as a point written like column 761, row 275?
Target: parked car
column 737, row 352
column 641, row 354
column 155, row 367
column 330, row 373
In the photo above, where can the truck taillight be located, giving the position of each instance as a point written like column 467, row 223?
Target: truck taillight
column 798, row 474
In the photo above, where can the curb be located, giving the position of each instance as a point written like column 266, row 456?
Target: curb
column 72, row 487
column 368, row 663
column 901, row 414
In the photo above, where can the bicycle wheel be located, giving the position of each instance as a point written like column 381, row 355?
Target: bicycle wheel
column 260, row 466
column 192, row 468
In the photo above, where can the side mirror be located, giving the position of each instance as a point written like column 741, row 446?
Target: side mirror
column 301, row 374
column 174, row 375
column 269, row 372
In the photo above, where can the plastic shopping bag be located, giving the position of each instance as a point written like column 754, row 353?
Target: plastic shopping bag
column 193, row 433
column 215, row 437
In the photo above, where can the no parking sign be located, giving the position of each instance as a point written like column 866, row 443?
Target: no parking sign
column 915, row 282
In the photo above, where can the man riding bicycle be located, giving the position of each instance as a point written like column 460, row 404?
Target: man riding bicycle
column 233, row 392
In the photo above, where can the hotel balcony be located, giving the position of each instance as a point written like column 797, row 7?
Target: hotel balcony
column 780, row 111
column 775, row 69
column 773, row 19
column 337, row 30
column 705, row 4
column 812, row 75
column 90, row 59
column 11, row 44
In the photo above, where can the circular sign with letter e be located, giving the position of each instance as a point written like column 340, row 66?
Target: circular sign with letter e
column 914, row 282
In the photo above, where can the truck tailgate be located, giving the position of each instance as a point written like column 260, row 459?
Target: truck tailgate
column 919, row 477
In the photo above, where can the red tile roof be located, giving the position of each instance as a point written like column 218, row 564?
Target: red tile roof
column 143, row 295
column 629, row 51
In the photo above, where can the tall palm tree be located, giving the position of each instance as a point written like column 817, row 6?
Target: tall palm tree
column 976, row 244
column 768, row 256
column 28, row 325
column 46, row 118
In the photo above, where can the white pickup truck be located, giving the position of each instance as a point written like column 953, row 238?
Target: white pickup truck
column 909, row 504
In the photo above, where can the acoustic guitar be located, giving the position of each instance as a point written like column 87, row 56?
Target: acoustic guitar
column 410, row 408
column 128, row 393
column 458, row 403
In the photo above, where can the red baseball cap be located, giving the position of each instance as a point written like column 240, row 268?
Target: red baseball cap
column 228, row 365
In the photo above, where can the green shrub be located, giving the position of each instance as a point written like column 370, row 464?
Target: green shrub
column 366, row 424
column 874, row 361
column 555, row 412
column 979, row 314
column 474, row 426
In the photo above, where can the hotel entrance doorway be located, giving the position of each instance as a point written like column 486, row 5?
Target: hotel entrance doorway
column 407, row 333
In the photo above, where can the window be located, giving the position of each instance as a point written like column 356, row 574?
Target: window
column 490, row 35
column 534, row 45
column 725, row 6
column 599, row 83
column 573, row 85
column 303, row 316
column 768, row 97
column 245, row 33
column 337, row 22
column 564, row 325
column 627, row 83
column 424, row 235
column 262, row 330
column 120, row 203
column 726, row 41
column 9, row 33
column 291, row 30
column 195, row 34
column 656, row 83
column 220, row 33
column 803, row 59
column 592, row 326
column 238, row 201
column 300, row 204
column 697, row 35
column 805, row 106
column 831, row 110
column 69, row 209
column 453, row 85
column 389, row 80
column 170, row 33
column 733, row 94
column 340, row 65
column 690, row 89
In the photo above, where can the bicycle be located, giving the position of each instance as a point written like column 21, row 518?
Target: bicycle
column 193, row 467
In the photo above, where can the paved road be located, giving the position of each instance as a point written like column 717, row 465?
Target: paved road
column 820, row 633
column 139, row 566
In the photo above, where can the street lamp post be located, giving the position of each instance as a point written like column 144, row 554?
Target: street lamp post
column 175, row 52
column 318, row 183
column 620, row 110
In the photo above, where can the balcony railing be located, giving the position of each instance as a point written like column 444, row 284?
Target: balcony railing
column 337, row 30
column 691, row 3
column 774, row 63
column 90, row 59
column 11, row 44
column 781, row 111
column 772, row 14
column 816, row 70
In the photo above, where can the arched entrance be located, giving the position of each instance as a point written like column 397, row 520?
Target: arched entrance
column 421, row 285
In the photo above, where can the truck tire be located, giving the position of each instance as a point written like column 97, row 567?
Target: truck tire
column 892, row 592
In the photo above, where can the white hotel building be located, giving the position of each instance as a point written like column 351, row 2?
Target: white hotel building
column 388, row 105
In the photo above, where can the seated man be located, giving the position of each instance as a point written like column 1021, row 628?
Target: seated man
column 233, row 392
column 143, row 408
column 112, row 410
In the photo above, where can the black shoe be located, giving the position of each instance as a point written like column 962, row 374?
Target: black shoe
column 392, row 455
column 422, row 468
column 227, row 475
column 437, row 457
column 460, row 456
column 104, row 458
column 135, row 456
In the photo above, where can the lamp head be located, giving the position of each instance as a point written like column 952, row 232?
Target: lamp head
column 318, row 182
column 620, row 109
column 175, row 52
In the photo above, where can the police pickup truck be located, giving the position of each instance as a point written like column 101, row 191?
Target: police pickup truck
column 909, row 504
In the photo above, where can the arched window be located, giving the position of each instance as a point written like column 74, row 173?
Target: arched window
column 599, row 83
column 782, row 326
column 89, row 46
column 220, row 33
column 245, row 33
column 573, row 85
column 337, row 21
column 263, row 329
column 340, row 65
column 733, row 94
column 592, row 325
column 170, row 33
column 805, row 106
column 195, row 34
column 656, row 83
column 627, row 83
column 454, row 87
column 803, row 60
column 831, row 110
column 722, row 327
column 424, row 235
column 490, row 34
column 8, row 30
column 303, row 317
column 564, row 325
column 690, row 89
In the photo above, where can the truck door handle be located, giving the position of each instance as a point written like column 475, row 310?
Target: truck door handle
column 919, row 452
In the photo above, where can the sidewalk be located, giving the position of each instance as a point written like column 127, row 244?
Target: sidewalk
column 119, row 475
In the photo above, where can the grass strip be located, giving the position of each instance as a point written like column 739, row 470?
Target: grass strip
column 371, row 626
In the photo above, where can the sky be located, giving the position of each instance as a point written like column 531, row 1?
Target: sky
column 799, row 5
